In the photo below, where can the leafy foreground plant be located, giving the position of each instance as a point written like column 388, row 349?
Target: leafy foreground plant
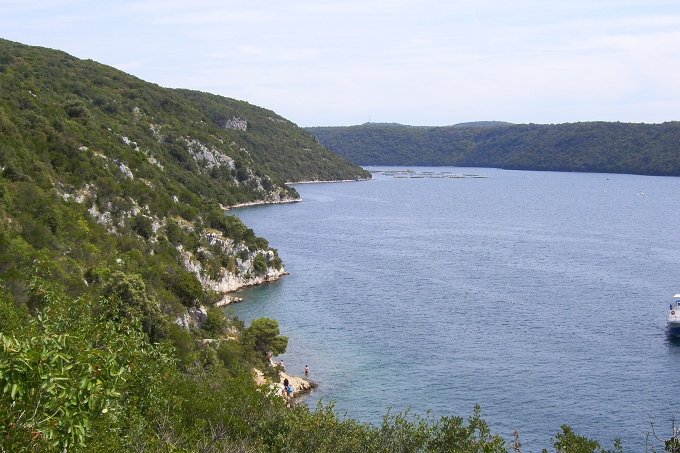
column 569, row 442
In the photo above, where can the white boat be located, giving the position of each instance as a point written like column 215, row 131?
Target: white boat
column 674, row 317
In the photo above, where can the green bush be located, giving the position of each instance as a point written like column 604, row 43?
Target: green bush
column 260, row 264
column 215, row 323
column 569, row 441
column 76, row 109
column 263, row 336
column 67, row 370
column 233, row 356
column 186, row 286
column 141, row 225
column 182, row 341
column 125, row 297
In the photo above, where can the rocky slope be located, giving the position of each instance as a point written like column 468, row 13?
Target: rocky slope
column 101, row 172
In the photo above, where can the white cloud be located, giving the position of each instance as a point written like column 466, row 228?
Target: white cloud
column 437, row 62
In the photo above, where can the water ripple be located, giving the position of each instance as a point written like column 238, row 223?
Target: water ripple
column 539, row 296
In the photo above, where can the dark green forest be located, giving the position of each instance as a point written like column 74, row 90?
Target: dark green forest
column 113, row 236
column 606, row 147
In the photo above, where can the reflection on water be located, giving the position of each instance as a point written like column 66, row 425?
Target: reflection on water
column 673, row 343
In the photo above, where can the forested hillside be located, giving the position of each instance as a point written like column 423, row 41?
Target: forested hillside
column 99, row 163
column 115, row 249
column 114, row 238
column 648, row 149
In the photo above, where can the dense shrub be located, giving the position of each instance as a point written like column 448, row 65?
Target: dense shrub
column 216, row 322
column 125, row 297
column 260, row 264
column 141, row 225
column 186, row 286
column 263, row 336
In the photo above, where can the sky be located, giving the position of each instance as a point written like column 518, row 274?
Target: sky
column 345, row 62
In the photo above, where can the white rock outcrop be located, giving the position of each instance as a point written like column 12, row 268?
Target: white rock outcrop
column 208, row 157
column 229, row 281
column 125, row 170
column 236, row 123
column 193, row 317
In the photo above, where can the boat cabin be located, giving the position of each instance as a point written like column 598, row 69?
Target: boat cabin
column 674, row 317
column 675, row 305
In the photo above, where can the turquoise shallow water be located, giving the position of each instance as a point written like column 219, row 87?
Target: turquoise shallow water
column 540, row 296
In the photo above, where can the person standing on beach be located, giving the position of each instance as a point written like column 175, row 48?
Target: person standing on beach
column 288, row 389
column 286, row 392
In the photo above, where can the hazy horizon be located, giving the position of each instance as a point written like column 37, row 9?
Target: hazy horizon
column 434, row 63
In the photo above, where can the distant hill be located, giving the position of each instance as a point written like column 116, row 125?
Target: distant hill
column 648, row 149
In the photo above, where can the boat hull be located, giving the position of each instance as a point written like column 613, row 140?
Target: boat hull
column 674, row 328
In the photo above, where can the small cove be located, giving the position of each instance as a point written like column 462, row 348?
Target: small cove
column 540, row 296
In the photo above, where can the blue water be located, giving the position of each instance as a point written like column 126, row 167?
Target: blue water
column 540, row 296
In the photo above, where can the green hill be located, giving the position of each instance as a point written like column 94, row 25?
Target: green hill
column 103, row 174
column 115, row 246
column 90, row 155
column 648, row 149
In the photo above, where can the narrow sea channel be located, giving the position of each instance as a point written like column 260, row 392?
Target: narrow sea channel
column 540, row 296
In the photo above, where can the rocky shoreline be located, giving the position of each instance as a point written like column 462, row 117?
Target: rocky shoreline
column 228, row 299
column 262, row 202
column 301, row 385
